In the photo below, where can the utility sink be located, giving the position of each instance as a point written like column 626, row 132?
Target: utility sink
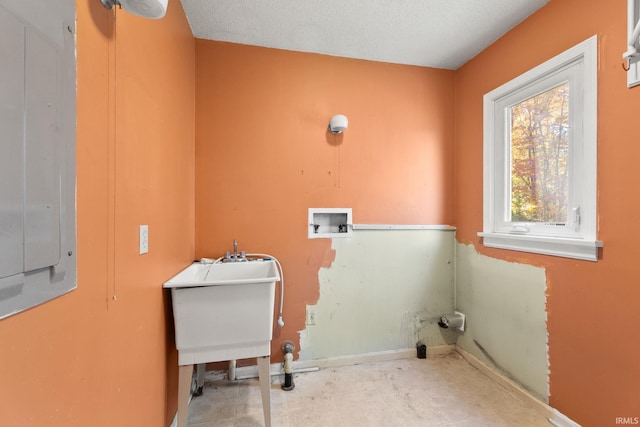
column 223, row 311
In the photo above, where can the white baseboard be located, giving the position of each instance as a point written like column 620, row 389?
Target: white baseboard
column 561, row 420
column 380, row 356
column 174, row 423
column 554, row 416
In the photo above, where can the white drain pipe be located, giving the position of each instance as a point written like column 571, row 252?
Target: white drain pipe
column 231, row 373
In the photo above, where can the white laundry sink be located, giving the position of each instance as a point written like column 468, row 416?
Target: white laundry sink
column 223, row 311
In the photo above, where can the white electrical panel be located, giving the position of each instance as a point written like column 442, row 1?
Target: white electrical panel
column 37, row 153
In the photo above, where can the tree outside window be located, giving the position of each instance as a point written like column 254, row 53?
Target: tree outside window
column 539, row 157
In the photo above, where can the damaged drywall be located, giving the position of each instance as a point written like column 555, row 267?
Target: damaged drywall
column 506, row 327
column 384, row 291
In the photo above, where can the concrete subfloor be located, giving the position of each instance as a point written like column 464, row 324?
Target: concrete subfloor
column 442, row 391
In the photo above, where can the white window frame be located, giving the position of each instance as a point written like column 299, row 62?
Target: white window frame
column 632, row 54
column 577, row 239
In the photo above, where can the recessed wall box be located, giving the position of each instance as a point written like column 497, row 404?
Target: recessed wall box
column 330, row 222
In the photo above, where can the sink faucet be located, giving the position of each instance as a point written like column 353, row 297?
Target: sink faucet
column 235, row 257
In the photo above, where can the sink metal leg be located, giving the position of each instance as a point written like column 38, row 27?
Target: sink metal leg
column 200, row 373
column 184, row 388
column 265, row 388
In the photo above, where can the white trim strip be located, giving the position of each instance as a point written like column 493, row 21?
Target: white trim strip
column 403, row 227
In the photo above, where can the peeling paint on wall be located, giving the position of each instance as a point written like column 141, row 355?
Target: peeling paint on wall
column 385, row 290
column 506, row 327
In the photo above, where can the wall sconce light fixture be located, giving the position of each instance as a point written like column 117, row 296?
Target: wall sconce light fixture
column 152, row 9
column 338, row 124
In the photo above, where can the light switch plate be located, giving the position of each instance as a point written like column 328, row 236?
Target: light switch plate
column 144, row 239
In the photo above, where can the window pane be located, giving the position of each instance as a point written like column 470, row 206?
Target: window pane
column 539, row 157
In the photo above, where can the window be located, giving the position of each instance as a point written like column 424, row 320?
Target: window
column 632, row 55
column 540, row 148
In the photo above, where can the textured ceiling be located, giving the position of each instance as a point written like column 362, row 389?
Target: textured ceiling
column 432, row 33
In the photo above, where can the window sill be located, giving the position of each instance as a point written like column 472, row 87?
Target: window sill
column 555, row 246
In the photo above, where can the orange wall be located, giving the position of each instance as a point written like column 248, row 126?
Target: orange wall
column 264, row 156
column 102, row 355
column 592, row 307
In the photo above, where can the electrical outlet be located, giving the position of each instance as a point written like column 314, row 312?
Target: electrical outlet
column 311, row 316
column 144, row 239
